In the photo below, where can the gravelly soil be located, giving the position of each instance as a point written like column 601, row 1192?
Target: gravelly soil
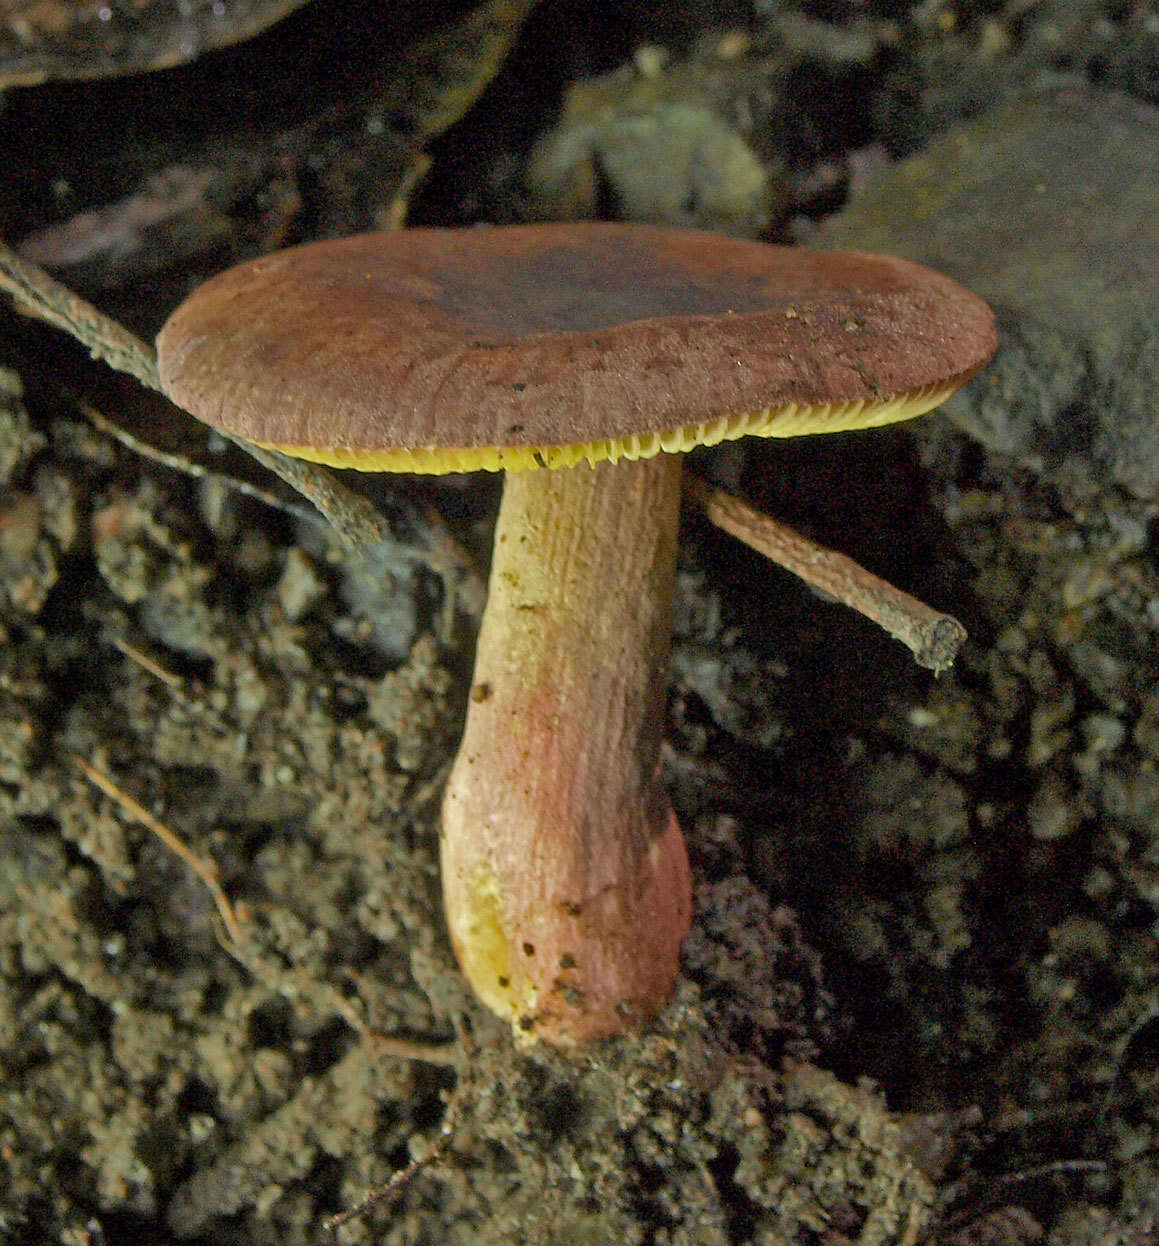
column 919, row 996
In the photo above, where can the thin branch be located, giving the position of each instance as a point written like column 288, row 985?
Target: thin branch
column 934, row 638
column 446, row 1055
column 394, row 1186
column 38, row 294
column 187, row 466
column 352, row 516
column 204, row 869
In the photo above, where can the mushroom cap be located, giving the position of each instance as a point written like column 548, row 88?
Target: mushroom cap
column 545, row 345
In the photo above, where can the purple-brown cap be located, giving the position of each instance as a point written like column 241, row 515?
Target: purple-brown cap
column 547, row 345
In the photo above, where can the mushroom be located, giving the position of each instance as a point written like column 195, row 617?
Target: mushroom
column 602, row 350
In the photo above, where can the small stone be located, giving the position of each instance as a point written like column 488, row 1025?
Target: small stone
column 20, row 525
column 1053, row 812
column 300, row 587
column 1103, row 733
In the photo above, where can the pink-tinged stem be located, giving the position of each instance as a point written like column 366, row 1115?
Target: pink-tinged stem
column 565, row 876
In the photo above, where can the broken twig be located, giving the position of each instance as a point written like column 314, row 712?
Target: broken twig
column 398, row 1182
column 353, row 517
column 38, row 294
column 934, row 638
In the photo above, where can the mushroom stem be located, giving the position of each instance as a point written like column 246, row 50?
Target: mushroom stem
column 565, row 876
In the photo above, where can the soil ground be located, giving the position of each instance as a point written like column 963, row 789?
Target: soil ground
column 920, row 995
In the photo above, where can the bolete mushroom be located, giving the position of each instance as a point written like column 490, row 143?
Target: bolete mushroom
column 601, row 350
